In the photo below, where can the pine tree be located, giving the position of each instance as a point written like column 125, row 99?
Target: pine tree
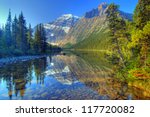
column 14, row 32
column 1, row 35
column 40, row 39
column 3, row 46
column 37, row 40
column 142, row 13
column 22, row 31
column 117, row 26
column 8, row 28
column 43, row 39
column 140, row 37
column 30, row 38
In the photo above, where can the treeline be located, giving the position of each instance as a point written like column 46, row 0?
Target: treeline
column 18, row 39
column 131, row 41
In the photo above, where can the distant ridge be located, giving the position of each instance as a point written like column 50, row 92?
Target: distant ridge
column 92, row 25
column 101, row 10
column 69, row 30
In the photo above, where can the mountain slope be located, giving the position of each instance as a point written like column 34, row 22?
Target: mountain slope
column 57, row 29
column 91, row 31
column 84, row 29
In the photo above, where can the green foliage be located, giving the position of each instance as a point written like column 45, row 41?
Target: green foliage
column 40, row 39
column 138, row 66
column 22, row 31
column 16, row 39
column 131, row 42
column 14, row 32
column 8, row 27
column 141, row 40
column 142, row 13
column 119, row 34
column 98, row 41
column 68, row 45
column 139, row 35
column 30, row 38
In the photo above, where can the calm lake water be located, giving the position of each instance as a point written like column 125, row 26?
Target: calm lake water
column 65, row 76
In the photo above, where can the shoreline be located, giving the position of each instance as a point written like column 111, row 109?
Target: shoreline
column 13, row 60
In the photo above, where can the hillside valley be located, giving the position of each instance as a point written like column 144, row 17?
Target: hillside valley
column 88, row 32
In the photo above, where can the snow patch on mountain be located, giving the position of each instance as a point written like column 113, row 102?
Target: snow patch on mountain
column 52, row 35
column 50, row 26
column 66, row 29
column 59, row 28
column 67, row 16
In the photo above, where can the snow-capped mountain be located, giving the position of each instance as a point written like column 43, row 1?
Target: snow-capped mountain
column 94, row 22
column 69, row 29
column 58, row 29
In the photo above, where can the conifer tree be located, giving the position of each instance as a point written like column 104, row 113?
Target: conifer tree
column 8, row 29
column 37, row 40
column 14, row 32
column 22, row 31
column 43, row 39
column 30, row 38
column 1, row 35
column 40, row 39
column 142, row 13
column 140, row 37
column 3, row 46
column 117, row 26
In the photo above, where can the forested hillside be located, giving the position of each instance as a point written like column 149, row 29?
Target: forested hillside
column 131, row 42
column 16, row 38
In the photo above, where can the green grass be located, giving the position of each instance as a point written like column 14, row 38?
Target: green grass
column 96, row 41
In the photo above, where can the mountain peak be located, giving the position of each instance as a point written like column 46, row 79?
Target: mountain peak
column 58, row 29
column 68, row 16
column 100, row 11
column 103, row 5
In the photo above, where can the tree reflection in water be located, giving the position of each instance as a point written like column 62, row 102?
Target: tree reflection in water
column 71, row 76
column 17, row 76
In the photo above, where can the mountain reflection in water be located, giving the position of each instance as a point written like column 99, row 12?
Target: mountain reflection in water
column 69, row 76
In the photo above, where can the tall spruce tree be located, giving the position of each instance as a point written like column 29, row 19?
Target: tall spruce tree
column 22, row 31
column 37, row 40
column 142, row 13
column 117, row 26
column 14, row 32
column 140, row 36
column 8, row 29
column 3, row 46
column 43, row 39
column 1, row 35
column 40, row 39
column 30, row 38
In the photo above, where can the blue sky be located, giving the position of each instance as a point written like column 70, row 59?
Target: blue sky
column 41, row 11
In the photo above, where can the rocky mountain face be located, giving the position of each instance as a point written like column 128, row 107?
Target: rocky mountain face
column 69, row 30
column 93, row 23
column 59, row 28
column 100, row 11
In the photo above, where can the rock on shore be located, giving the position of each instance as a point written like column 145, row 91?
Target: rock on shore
column 12, row 60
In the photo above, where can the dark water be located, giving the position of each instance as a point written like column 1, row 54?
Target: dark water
column 65, row 76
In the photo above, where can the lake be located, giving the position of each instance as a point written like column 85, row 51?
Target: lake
column 66, row 76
